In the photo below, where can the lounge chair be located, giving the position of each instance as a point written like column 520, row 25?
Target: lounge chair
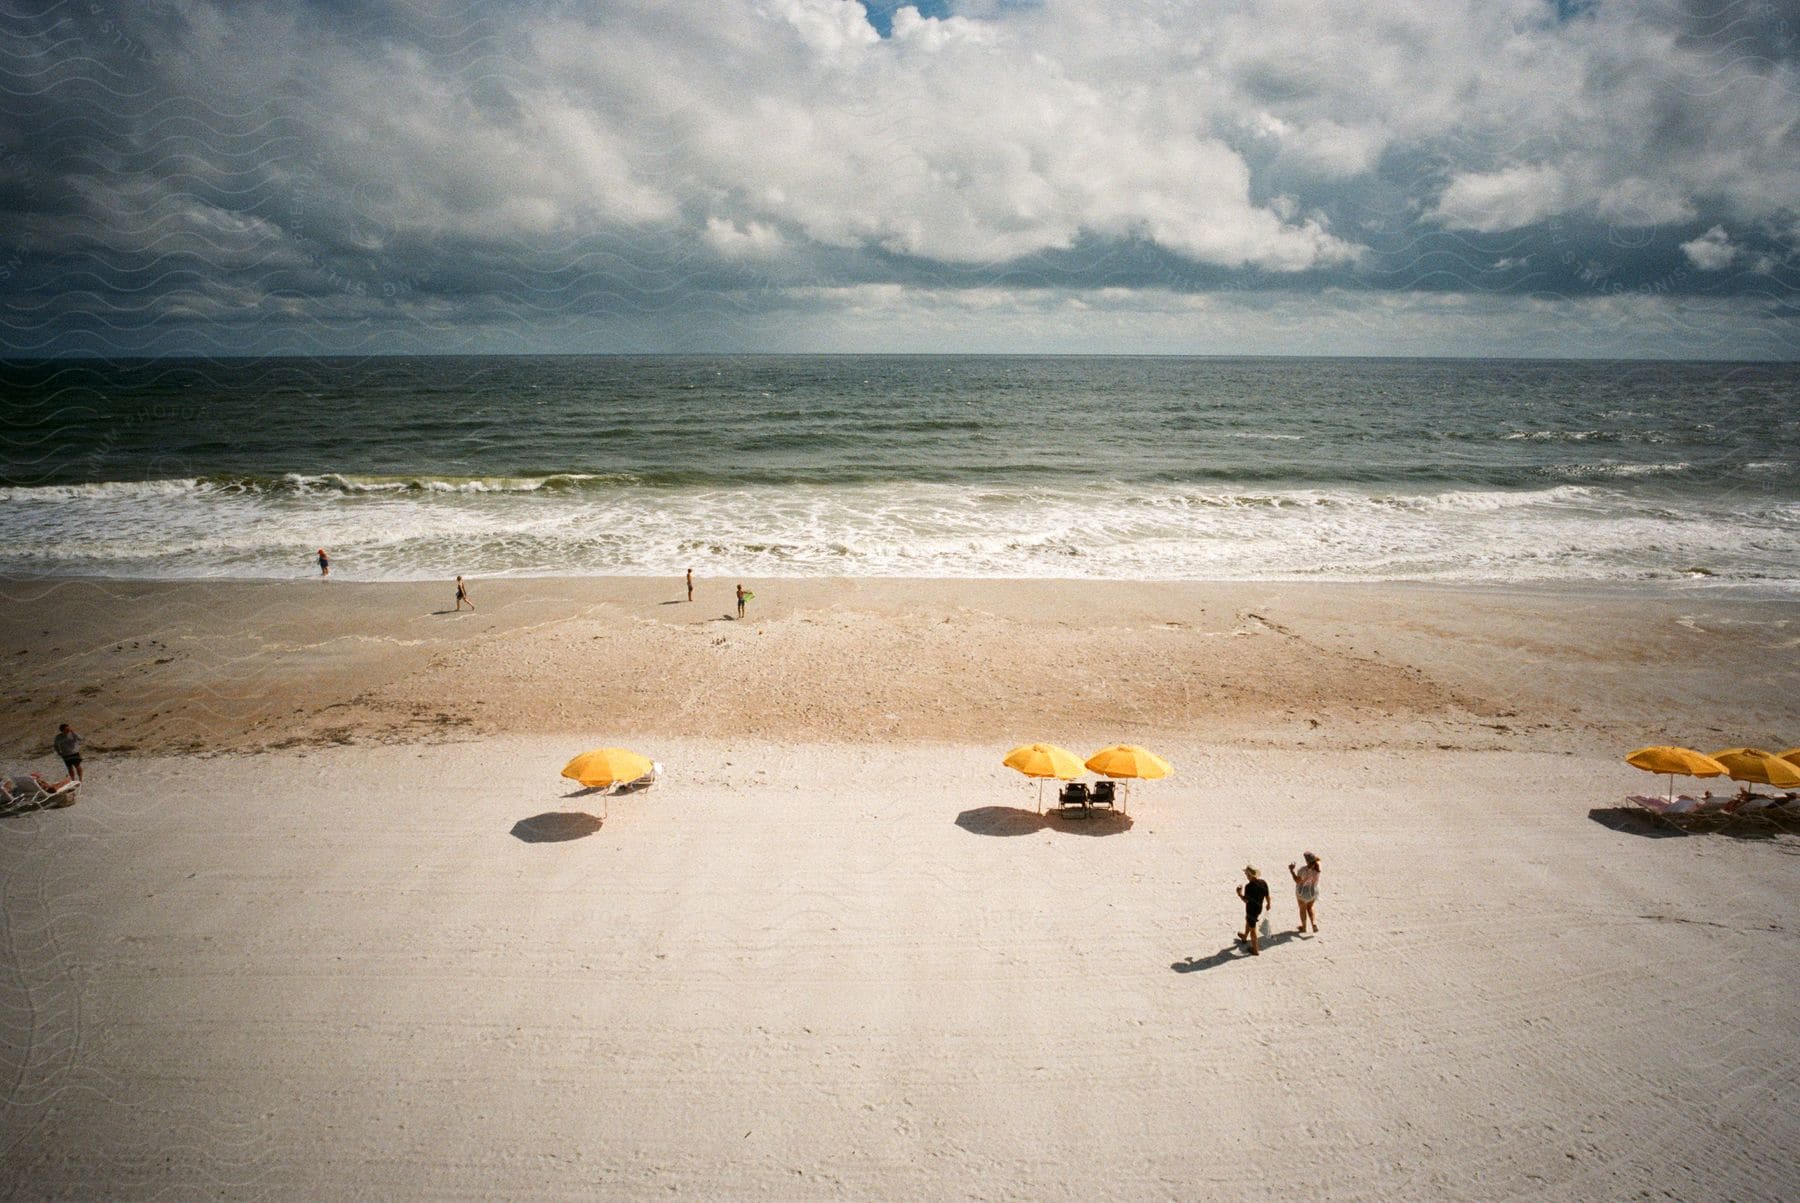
column 638, row 783
column 1766, row 808
column 1685, row 806
column 1072, row 802
column 1102, row 794
column 25, row 791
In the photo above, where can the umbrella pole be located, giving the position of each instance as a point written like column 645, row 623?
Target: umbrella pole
column 1040, row 795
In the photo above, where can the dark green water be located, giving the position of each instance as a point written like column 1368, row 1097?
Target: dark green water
column 1110, row 467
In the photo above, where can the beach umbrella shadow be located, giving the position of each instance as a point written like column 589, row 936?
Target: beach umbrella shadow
column 1632, row 821
column 1010, row 820
column 554, row 826
column 1001, row 820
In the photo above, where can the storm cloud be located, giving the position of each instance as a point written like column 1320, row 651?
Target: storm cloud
column 1495, row 176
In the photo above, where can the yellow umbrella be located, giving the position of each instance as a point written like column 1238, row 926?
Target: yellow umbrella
column 1041, row 761
column 1665, row 759
column 607, row 766
column 1757, row 766
column 1792, row 756
column 1129, row 760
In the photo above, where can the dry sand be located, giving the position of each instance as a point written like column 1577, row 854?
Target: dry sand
column 325, row 923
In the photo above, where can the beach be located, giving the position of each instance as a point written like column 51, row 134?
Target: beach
column 325, row 921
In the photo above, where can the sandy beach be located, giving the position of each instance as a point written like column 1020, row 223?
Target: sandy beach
column 325, row 922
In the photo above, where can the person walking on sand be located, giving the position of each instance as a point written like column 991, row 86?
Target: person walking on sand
column 68, row 746
column 740, row 597
column 1255, row 893
column 1306, row 889
column 690, row 583
column 324, row 563
column 462, row 595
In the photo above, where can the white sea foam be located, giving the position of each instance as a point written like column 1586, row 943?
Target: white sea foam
column 107, row 490
column 199, row 529
column 1606, row 471
column 345, row 483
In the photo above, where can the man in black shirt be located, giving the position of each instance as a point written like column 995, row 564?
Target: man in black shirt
column 1255, row 893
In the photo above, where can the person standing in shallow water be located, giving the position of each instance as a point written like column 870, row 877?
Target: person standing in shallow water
column 740, row 597
column 1306, row 889
column 1255, row 893
column 324, row 563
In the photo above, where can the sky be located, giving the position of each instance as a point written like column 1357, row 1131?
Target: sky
column 1354, row 177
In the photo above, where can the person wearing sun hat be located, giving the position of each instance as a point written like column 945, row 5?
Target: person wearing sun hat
column 1255, row 893
column 1306, row 890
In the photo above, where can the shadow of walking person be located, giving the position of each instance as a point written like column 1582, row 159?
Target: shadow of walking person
column 1225, row 955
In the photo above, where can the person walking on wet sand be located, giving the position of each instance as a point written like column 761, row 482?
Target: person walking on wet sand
column 324, row 563
column 68, row 746
column 690, row 583
column 740, row 597
column 1255, row 893
column 462, row 595
column 1306, row 890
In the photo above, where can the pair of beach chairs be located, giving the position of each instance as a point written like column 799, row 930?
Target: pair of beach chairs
column 28, row 791
column 1079, row 800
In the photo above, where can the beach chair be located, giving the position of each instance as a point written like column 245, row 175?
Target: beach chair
column 26, row 791
column 1103, row 794
column 640, row 783
column 1763, row 808
column 1683, row 807
column 1072, row 802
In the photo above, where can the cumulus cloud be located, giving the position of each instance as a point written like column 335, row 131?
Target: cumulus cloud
column 1712, row 251
column 1501, row 200
column 314, row 161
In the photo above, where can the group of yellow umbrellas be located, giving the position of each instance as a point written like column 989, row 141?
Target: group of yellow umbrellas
column 1753, row 765
column 606, row 767
column 1120, row 761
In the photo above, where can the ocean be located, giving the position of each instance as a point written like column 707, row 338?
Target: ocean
column 767, row 466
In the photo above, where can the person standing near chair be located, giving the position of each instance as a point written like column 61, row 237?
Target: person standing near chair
column 462, row 595
column 68, row 746
column 1255, row 894
column 1306, row 889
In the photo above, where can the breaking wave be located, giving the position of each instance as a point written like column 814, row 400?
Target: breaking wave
column 410, row 527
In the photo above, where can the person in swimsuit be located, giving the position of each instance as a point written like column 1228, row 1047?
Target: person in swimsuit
column 690, row 583
column 1255, row 893
column 740, row 597
column 462, row 595
column 324, row 563
column 1306, row 889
